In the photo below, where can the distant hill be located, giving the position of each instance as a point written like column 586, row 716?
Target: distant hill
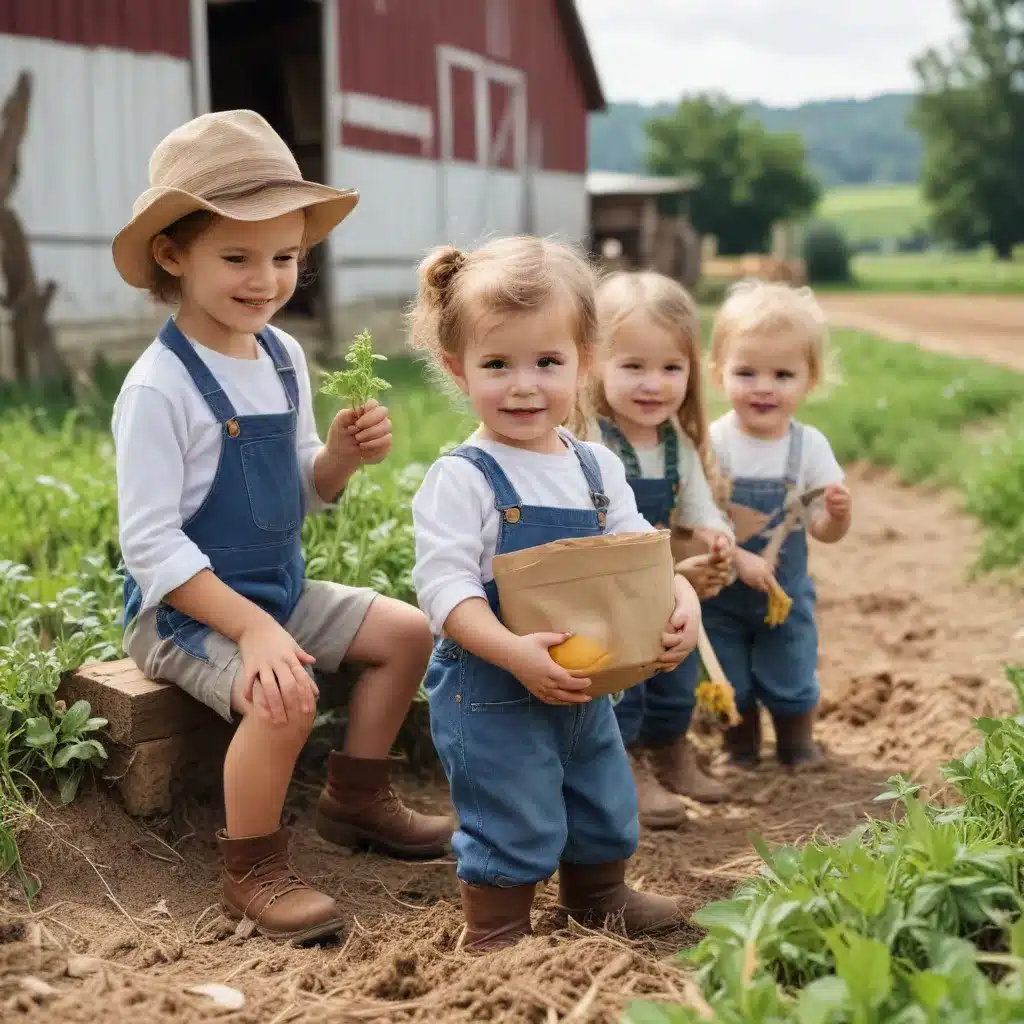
column 849, row 142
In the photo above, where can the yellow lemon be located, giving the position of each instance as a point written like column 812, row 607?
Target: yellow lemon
column 579, row 654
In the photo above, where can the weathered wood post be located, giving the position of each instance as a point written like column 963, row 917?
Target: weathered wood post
column 35, row 347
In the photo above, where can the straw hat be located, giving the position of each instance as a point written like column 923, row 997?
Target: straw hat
column 231, row 163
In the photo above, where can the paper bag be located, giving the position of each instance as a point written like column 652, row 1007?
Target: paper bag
column 616, row 590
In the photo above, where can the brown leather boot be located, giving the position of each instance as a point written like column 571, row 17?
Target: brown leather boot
column 593, row 893
column 743, row 741
column 258, row 882
column 676, row 767
column 658, row 807
column 496, row 917
column 358, row 807
column 794, row 740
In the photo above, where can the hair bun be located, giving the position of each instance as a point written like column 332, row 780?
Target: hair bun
column 439, row 268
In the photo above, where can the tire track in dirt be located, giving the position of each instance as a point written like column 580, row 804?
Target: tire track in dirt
column 911, row 651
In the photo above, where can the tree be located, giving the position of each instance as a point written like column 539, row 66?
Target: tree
column 971, row 116
column 749, row 177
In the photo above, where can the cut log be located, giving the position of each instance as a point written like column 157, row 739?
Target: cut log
column 138, row 709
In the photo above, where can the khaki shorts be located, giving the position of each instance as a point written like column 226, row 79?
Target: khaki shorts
column 324, row 624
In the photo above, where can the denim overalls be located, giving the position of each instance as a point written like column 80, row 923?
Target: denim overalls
column 532, row 783
column 250, row 522
column 659, row 710
column 774, row 666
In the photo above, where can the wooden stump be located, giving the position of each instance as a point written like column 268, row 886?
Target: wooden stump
column 160, row 740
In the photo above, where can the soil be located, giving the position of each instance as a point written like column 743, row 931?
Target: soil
column 127, row 921
column 985, row 326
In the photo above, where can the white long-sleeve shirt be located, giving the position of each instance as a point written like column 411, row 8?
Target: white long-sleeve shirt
column 697, row 506
column 740, row 454
column 457, row 524
column 168, row 446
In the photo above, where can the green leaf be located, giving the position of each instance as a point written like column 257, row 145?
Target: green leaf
column 864, row 964
column 95, row 723
column 38, row 732
column 1017, row 938
column 929, row 988
column 821, row 999
column 74, row 718
column 67, row 784
column 728, row 917
column 658, row 1013
column 83, row 750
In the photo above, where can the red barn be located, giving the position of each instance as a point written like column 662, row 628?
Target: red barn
column 456, row 119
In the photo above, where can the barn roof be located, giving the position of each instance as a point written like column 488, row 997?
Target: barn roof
column 614, row 183
column 582, row 57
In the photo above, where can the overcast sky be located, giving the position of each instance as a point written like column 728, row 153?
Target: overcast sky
column 779, row 51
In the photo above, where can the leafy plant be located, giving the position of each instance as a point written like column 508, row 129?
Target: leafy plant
column 359, row 384
column 911, row 920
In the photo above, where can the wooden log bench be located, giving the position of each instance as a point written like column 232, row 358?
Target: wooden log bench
column 159, row 739
column 161, row 742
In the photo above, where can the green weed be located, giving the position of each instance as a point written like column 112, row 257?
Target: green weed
column 910, row 920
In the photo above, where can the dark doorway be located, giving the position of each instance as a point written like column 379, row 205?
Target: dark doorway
column 265, row 55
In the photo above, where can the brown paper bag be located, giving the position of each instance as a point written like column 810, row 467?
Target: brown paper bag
column 616, row 590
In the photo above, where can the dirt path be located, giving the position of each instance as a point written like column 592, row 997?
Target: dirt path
column 910, row 653
column 988, row 327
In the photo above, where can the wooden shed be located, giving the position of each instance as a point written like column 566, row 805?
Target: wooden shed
column 641, row 222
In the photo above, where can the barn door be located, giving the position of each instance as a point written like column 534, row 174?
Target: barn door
column 483, row 145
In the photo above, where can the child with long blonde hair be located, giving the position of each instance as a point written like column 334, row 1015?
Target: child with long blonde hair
column 768, row 354
column 538, row 772
column 648, row 397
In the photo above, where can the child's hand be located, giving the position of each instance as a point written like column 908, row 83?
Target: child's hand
column 683, row 626
column 273, row 660
column 715, row 570
column 838, row 502
column 531, row 663
column 754, row 571
column 360, row 436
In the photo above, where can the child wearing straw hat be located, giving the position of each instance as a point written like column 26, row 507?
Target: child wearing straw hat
column 218, row 463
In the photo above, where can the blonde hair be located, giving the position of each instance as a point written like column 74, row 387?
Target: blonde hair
column 624, row 294
column 769, row 309
column 518, row 274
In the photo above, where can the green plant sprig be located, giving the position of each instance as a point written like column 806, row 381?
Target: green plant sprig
column 359, row 384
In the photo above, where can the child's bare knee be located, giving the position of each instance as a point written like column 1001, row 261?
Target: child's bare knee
column 412, row 633
column 291, row 732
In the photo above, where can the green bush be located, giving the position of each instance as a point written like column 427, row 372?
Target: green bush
column 826, row 255
column 912, row 920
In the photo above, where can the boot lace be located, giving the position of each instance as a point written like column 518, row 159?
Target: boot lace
column 275, row 877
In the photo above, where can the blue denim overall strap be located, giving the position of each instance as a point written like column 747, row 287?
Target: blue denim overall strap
column 774, row 666
column 250, row 523
column 655, row 496
column 526, row 526
column 532, row 783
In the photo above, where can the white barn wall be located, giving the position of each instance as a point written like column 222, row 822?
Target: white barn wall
column 95, row 117
column 399, row 216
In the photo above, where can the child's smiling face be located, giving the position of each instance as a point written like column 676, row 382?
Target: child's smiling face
column 645, row 375
column 521, row 373
column 235, row 275
column 765, row 380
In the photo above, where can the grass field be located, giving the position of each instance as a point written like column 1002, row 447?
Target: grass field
column 873, row 211
column 880, row 212
column 972, row 273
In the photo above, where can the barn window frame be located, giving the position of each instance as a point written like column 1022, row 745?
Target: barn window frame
column 484, row 72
